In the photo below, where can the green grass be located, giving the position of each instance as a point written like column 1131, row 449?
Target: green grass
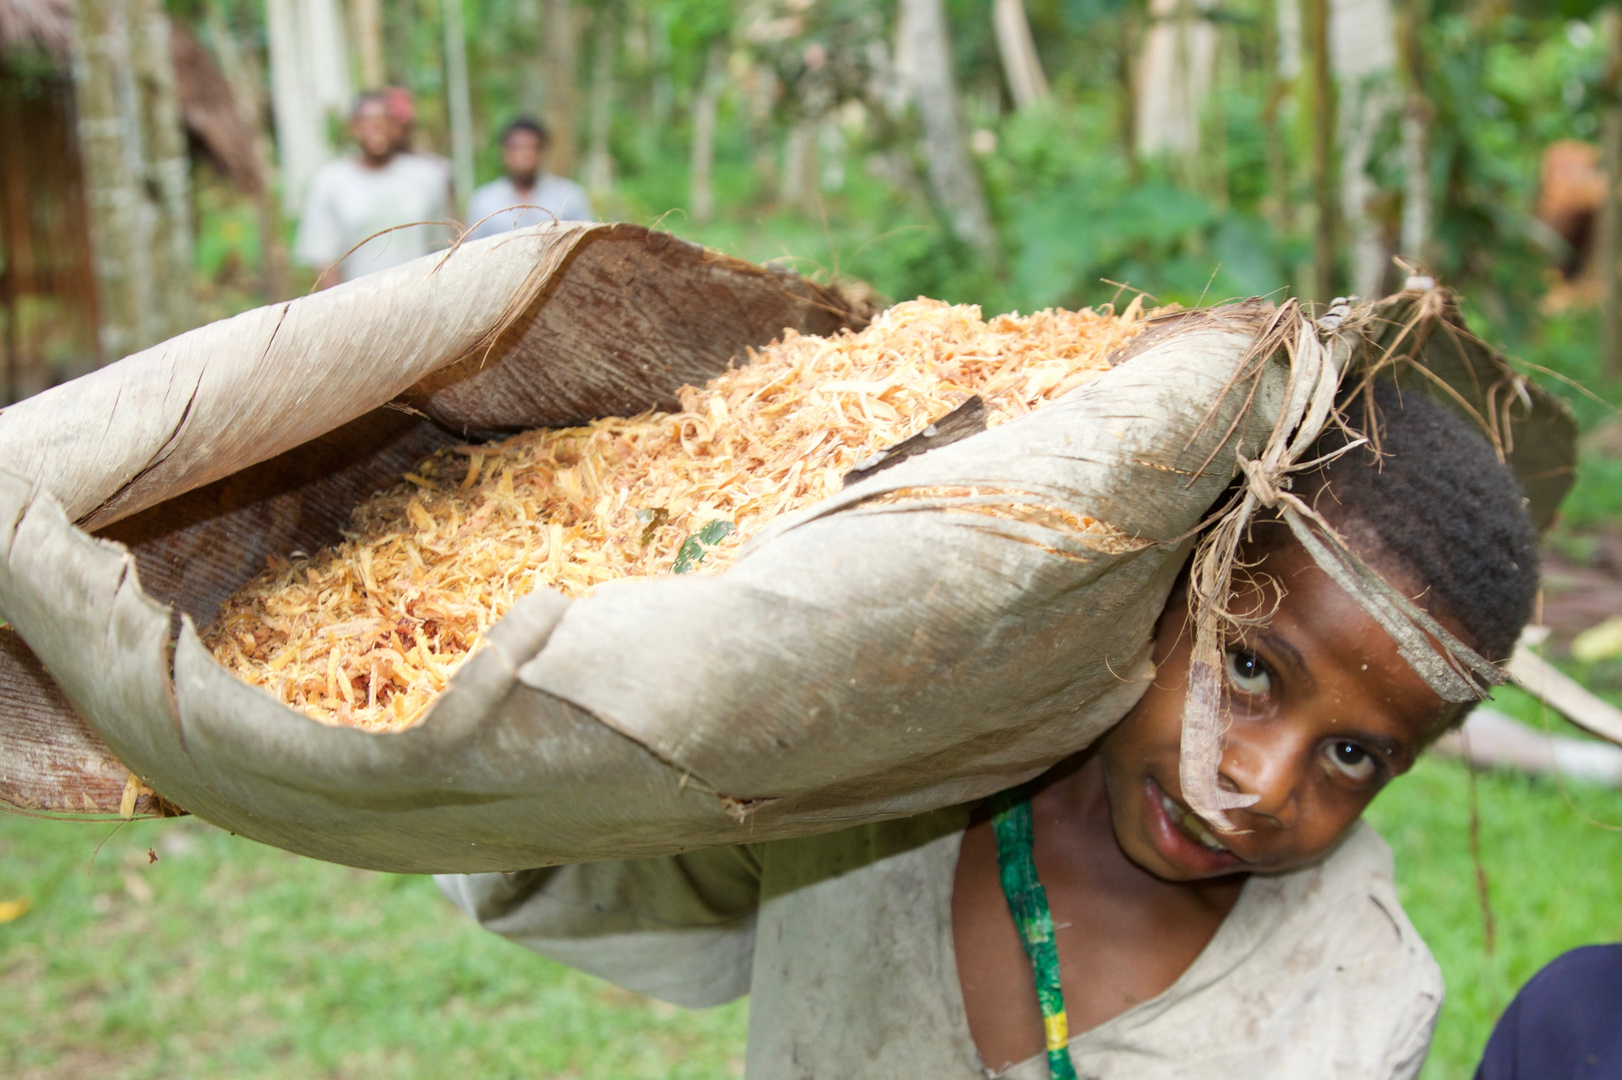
column 1553, row 880
column 228, row 959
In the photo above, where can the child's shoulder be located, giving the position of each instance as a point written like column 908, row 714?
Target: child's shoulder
column 1348, row 902
column 790, row 865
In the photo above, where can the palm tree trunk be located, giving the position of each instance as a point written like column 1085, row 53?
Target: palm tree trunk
column 367, row 15
column 599, row 161
column 107, row 102
column 459, row 100
column 309, row 86
column 706, row 105
column 926, row 45
column 1021, row 66
column 1610, row 217
column 248, row 89
column 167, row 170
column 1366, row 84
column 1126, row 93
column 1323, row 152
column 561, row 50
column 1416, row 131
column 1278, row 168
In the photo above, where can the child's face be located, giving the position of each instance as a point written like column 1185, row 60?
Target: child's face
column 1323, row 713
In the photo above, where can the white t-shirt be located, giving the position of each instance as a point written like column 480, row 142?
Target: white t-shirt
column 844, row 944
column 348, row 202
column 551, row 195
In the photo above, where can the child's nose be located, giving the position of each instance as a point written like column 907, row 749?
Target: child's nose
column 1253, row 763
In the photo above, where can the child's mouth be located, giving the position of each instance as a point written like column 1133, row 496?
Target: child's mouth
column 1190, row 823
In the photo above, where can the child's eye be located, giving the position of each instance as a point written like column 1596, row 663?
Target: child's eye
column 1248, row 673
column 1352, row 760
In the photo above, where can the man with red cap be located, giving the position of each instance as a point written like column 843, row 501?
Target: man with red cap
column 383, row 208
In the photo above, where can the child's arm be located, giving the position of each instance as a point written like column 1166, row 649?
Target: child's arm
column 680, row 929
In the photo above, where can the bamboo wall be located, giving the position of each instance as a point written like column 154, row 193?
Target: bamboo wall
column 47, row 285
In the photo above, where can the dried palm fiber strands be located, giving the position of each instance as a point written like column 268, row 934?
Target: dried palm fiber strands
column 366, row 633
column 934, row 632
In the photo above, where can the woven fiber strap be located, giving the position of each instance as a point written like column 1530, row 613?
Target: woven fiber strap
column 1028, row 901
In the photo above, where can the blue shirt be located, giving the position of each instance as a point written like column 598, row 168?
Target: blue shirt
column 490, row 209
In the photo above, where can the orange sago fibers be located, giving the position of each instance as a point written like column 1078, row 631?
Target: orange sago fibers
column 367, row 632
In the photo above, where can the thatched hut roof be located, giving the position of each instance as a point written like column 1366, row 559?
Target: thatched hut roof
column 37, row 24
column 207, row 103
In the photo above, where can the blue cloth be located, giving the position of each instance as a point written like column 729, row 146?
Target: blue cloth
column 1565, row 1024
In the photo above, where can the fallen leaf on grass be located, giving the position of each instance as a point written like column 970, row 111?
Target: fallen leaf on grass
column 1602, row 642
column 139, row 890
column 12, row 910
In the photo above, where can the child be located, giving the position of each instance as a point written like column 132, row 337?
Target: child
column 1278, row 950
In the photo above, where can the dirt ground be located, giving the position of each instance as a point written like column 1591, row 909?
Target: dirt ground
column 1581, row 592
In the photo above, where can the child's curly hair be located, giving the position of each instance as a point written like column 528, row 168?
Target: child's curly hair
column 1436, row 501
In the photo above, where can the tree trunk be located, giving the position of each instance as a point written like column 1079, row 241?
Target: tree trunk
column 119, row 88
column 1610, row 217
column 399, row 34
column 561, row 77
column 800, row 187
column 662, row 94
column 459, row 101
column 300, row 143
column 1215, row 119
column 1021, row 66
column 599, row 161
column 1275, row 59
column 926, row 47
column 248, row 90
column 326, row 59
column 309, row 85
column 1126, row 94
column 167, row 170
column 109, row 140
column 367, row 16
column 1173, row 81
column 1323, row 152
column 1364, row 60
column 1417, row 115
column 706, row 104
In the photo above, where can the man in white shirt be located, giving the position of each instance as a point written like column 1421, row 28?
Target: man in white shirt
column 353, row 199
column 527, row 194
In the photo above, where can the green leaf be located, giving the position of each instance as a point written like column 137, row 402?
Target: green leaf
column 695, row 547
